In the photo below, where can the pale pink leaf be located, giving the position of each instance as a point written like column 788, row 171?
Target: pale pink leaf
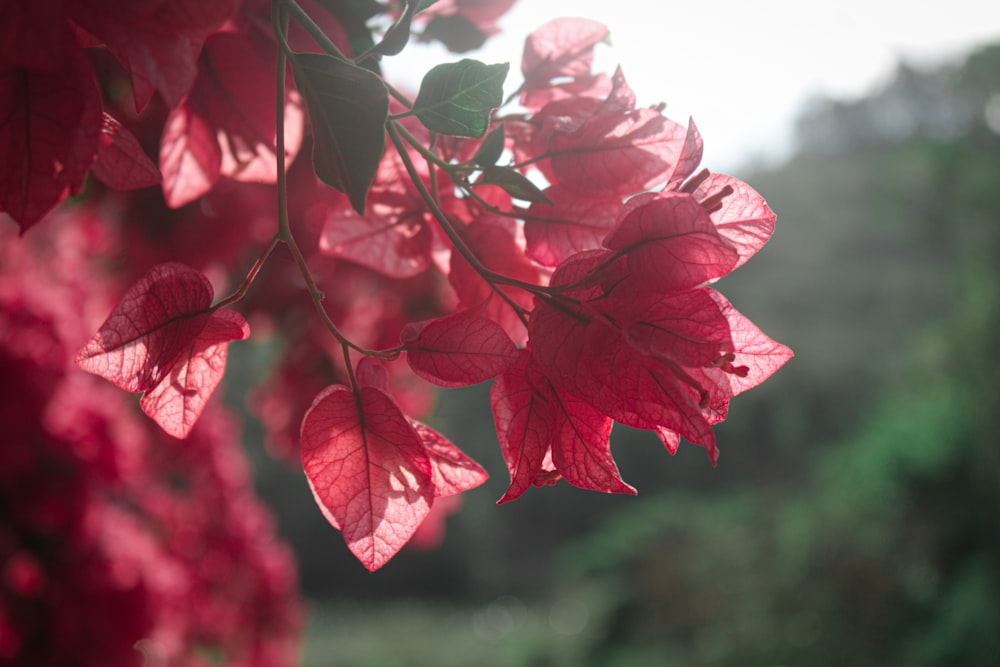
column 190, row 157
column 573, row 223
column 157, row 319
column 368, row 470
column 743, row 218
column 180, row 397
column 397, row 244
column 452, row 470
column 563, row 47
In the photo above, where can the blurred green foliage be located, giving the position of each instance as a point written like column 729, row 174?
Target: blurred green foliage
column 854, row 518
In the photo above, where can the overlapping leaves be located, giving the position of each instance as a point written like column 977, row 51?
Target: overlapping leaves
column 163, row 340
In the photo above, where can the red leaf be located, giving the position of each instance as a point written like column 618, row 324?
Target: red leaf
column 157, row 319
column 753, row 349
column 372, row 373
column 179, row 399
column 671, row 242
column 452, row 471
column 225, row 126
column 493, row 242
column 234, row 92
column 121, row 163
column 670, row 439
column 690, row 154
column 392, row 241
column 157, row 41
column 49, row 123
column 581, row 451
column 524, row 424
column 574, row 223
column 744, row 218
column 587, row 355
column 368, row 470
column 617, row 148
column 563, row 47
column 687, row 328
column 458, row 350
column 190, row 157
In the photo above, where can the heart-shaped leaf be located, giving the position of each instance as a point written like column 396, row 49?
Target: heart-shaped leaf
column 457, row 98
column 368, row 470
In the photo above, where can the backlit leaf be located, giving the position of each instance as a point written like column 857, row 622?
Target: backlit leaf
column 368, row 470
column 581, row 450
column 156, row 321
column 458, row 98
column 179, row 399
column 524, row 424
column 458, row 350
column 121, row 163
column 671, row 242
column 574, row 222
column 563, row 47
column 452, row 471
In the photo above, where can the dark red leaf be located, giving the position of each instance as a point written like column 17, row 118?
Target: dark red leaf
column 49, row 124
column 458, row 350
column 157, row 41
column 368, row 470
column 180, row 397
column 156, row 321
column 121, row 163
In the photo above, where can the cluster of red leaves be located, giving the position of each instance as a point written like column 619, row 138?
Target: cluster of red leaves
column 588, row 300
column 109, row 553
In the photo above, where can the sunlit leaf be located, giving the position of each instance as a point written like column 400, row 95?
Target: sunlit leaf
column 458, row 98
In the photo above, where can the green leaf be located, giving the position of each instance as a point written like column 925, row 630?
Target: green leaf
column 457, row 33
column 348, row 108
column 396, row 36
column 457, row 98
column 424, row 4
column 491, row 149
column 514, row 183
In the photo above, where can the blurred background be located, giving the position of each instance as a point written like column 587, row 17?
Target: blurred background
column 854, row 517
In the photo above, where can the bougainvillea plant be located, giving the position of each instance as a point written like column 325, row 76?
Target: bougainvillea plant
column 555, row 238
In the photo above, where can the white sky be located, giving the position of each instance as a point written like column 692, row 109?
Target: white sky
column 743, row 69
